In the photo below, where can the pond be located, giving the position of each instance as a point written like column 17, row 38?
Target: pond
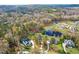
column 53, row 33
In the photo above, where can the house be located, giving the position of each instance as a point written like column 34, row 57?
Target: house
column 69, row 43
column 25, row 41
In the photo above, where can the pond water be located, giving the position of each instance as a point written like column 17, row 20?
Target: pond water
column 53, row 33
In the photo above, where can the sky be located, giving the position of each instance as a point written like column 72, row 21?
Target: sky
column 26, row 2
